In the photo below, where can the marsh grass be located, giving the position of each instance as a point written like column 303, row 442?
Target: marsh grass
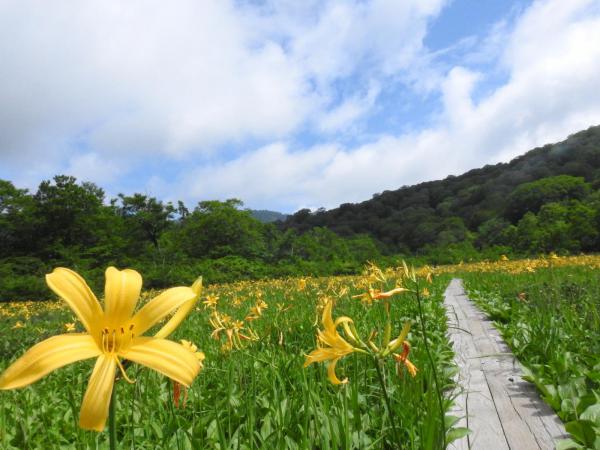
column 255, row 397
column 551, row 320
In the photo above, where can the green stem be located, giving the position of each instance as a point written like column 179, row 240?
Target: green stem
column 433, row 369
column 376, row 361
column 112, row 425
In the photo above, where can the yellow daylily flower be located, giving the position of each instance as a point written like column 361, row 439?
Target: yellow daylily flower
column 211, row 301
column 113, row 334
column 69, row 327
column 182, row 312
column 200, row 356
column 426, row 272
column 336, row 346
column 301, row 284
column 256, row 310
column 375, row 294
column 403, row 359
column 374, row 273
column 380, row 295
column 223, row 323
column 191, row 347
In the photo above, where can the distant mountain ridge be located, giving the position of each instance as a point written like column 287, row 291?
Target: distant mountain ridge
column 266, row 216
column 408, row 218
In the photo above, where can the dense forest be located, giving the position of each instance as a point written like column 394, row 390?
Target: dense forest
column 70, row 223
column 546, row 200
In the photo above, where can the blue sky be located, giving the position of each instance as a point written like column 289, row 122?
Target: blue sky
column 288, row 104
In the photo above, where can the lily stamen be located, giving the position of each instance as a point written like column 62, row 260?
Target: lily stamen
column 122, row 369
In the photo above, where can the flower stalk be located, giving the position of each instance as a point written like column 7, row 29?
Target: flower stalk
column 431, row 362
column 112, row 422
column 377, row 363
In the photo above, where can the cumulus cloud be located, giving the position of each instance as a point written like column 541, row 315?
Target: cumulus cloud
column 281, row 177
column 168, row 78
column 348, row 112
column 185, row 77
column 553, row 67
column 92, row 167
column 271, row 101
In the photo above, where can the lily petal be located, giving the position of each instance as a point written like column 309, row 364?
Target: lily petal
column 161, row 306
column 396, row 343
column 412, row 369
column 46, row 356
column 326, row 319
column 121, row 291
column 181, row 313
column 319, row 355
column 331, row 373
column 94, row 408
column 167, row 357
column 73, row 289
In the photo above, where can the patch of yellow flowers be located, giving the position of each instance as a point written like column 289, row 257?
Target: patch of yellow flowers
column 506, row 265
column 231, row 329
column 332, row 346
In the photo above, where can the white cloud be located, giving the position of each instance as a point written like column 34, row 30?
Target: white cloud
column 185, row 77
column 272, row 174
column 384, row 35
column 97, row 88
column 92, row 167
column 553, row 64
column 277, row 176
column 456, row 91
column 347, row 113
column 180, row 74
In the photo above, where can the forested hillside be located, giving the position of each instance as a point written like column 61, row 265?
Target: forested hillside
column 72, row 224
column 544, row 200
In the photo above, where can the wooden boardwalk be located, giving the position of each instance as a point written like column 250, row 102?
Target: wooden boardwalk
column 502, row 410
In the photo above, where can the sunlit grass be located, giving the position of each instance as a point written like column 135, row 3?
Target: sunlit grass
column 252, row 395
column 550, row 318
column 255, row 393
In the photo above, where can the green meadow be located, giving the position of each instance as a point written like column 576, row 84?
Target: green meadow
column 254, row 391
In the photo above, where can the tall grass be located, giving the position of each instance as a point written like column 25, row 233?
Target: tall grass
column 254, row 397
column 551, row 320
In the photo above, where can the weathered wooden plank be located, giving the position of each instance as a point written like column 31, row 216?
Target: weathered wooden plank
column 522, row 412
column 464, row 349
column 475, row 401
column 516, row 429
column 502, row 410
column 482, row 418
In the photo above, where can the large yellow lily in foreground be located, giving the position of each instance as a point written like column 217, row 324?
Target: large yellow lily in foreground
column 113, row 334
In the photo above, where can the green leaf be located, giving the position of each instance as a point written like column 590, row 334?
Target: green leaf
column 457, row 433
column 450, row 420
column 594, row 375
column 592, row 413
column 567, row 444
column 157, row 429
column 583, row 431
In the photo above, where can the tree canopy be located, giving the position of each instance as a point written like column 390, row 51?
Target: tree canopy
column 546, row 200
